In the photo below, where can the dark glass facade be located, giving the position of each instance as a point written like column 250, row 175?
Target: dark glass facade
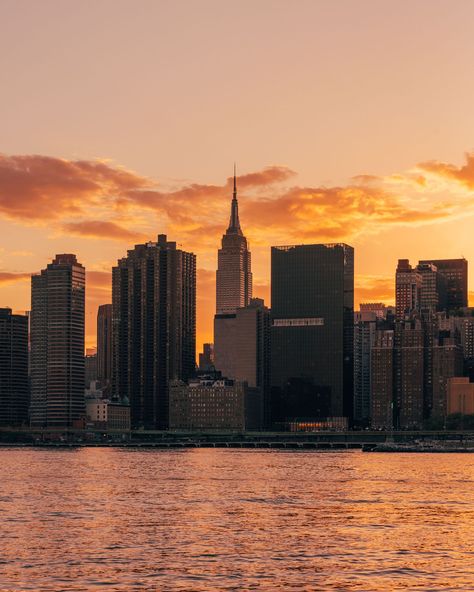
column 14, row 392
column 312, row 331
column 154, row 327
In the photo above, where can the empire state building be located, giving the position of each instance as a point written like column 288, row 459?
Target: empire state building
column 241, row 323
column 234, row 275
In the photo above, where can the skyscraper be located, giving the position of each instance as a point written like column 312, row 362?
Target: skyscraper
column 57, row 343
column 365, row 327
column 465, row 326
column 234, row 275
column 14, row 393
column 242, row 348
column 104, row 345
column 382, row 379
column 241, row 324
column 409, row 374
column 154, row 327
column 312, row 331
column 454, row 272
column 432, row 289
column 407, row 289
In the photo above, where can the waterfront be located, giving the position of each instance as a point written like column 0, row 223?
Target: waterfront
column 213, row 519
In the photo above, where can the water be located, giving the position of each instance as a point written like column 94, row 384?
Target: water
column 195, row 520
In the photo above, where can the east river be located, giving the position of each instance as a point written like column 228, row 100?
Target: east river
column 200, row 519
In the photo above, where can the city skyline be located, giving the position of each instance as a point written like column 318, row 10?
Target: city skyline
column 14, row 285
column 236, row 346
column 333, row 140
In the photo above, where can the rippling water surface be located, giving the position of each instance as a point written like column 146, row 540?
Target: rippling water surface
column 123, row 519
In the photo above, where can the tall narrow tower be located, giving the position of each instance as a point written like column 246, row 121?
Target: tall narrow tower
column 57, row 343
column 234, row 275
column 154, row 327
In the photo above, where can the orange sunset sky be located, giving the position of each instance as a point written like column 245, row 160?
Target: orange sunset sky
column 349, row 121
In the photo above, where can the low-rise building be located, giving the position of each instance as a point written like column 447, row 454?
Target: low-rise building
column 108, row 415
column 118, row 416
column 210, row 404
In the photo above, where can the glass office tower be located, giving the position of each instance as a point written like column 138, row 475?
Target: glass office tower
column 312, row 332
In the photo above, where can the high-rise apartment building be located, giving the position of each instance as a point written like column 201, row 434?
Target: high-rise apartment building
column 454, row 272
column 312, row 331
column 397, row 376
column 154, row 327
column 382, row 379
column 465, row 326
column 104, row 345
column 234, row 274
column 407, row 289
column 433, row 285
column 365, row 327
column 410, row 369
column 14, row 392
column 409, row 374
column 57, row 343
column 432, row 289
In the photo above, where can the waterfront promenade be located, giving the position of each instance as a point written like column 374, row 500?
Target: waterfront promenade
column 337, row 440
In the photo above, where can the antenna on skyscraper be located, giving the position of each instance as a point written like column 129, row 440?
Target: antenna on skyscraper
column 235, row 183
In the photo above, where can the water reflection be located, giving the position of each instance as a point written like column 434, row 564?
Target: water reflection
column 203, row 519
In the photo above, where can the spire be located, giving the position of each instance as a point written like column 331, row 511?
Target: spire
column 234, row 223
column 234, row 195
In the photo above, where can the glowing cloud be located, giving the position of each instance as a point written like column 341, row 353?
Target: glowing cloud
column 7, row 277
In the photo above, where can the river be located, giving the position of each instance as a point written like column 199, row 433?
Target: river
column 214, row 519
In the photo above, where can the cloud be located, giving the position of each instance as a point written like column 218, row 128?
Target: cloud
column 34, row 187
column 462, row 174
column 99, row 284
column 99, row 200
column 318, row 213
column 8, row 277
column 103, row 229
column 267, row 176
